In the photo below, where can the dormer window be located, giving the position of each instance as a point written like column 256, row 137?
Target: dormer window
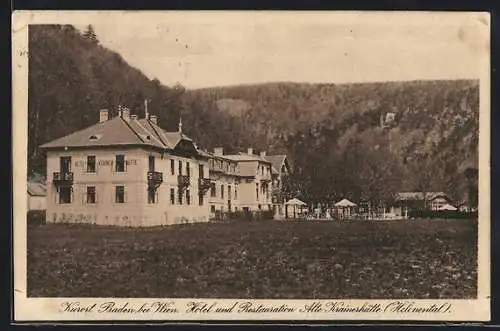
column 95, row 137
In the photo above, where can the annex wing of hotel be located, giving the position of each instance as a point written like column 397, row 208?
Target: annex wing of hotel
column 128, row 171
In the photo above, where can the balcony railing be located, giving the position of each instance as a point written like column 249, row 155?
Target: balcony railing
column 155, row 177
column 183, row 181
column 204, row 184
column 62, row 178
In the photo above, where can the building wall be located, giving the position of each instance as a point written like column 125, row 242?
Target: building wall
column 249, row 198
column 37, row 202
column 437, row 203
column 135, row 211
column 229, row 201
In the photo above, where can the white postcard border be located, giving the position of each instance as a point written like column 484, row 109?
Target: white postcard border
column 50, row 309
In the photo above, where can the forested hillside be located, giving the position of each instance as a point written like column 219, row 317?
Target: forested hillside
column 337, row 136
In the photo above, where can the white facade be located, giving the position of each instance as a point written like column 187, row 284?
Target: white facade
column 240, row 182
column 224, row 190
column 37, row 202
column 130, row 172
column 134, row 207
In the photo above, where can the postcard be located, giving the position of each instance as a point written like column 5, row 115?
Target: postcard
column 251, row 165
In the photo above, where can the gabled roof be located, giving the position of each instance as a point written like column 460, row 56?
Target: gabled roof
column 120, row 132
column 295, row 202
column 242, row 157
column 345, row 203
column 277, row 161
column 247, row 169
column 37, row 189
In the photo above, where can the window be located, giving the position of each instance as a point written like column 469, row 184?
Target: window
column 120, row 194
column 222, row 191
column 212, row 209
column 235, row 193
column 120, row 163
column 200, row 199
column 180, row 167
column 172, row 167
column 65, row 164
column 151, row 163
column 152, row 198
column 172, row 196
column 91, row 163
column 65, row 194
column 188, row 170
column 179, row 196
column 201, row 172
column 257, row 190
column 91, row 194
column 229, row 192
column 213, row 192
column 188, row 197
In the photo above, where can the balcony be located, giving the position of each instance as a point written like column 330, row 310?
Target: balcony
column 183, row 181
column 204, row 184
column 266, row 180
column 62, row 178
column 154, row 178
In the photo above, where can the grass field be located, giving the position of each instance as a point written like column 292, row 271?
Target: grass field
column 398, row 259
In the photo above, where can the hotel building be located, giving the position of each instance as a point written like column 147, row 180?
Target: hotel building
column 240, row 182
column 130, row 172
column 126, row 171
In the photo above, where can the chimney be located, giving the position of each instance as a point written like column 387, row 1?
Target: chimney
column 126, row 114
column 103, row 115
column 133, row 117
column 263, row 154
column 218, row 151
column 154, row 119
column 250, row 151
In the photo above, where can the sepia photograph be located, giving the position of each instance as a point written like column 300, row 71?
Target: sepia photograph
column 333, row 159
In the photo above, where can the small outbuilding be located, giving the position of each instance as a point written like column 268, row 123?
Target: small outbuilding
column 344, row 208
column 447, row 207
column 37, row 196
column 294, row 208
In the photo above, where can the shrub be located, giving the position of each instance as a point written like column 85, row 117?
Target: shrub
column 442, row 214
column 36, row 217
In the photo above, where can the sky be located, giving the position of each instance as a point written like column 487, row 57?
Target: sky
column 200, row 49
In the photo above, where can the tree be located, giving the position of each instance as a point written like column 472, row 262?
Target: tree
column 90, row 34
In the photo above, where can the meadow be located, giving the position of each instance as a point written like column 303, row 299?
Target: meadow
column 265, row 259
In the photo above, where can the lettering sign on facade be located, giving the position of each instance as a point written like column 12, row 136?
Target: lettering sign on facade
column 105, row 163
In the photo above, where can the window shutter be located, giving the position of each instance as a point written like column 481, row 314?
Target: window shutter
column 125, row 200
